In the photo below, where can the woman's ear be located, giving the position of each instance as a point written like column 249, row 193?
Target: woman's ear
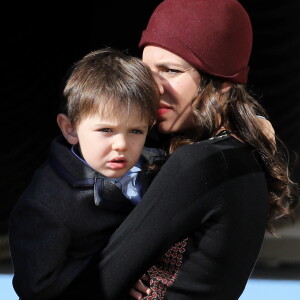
column 68, row 131
column 225, row 86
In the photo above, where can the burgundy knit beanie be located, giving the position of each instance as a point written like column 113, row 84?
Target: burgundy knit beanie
column 214, row 36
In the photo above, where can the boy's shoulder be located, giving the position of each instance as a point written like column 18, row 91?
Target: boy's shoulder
column 153, row 151
column 152, row 154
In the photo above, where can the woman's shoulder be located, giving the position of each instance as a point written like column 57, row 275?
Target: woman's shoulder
column 213, row 146
column 224, row 154
column 217, row 153
column 202, row 156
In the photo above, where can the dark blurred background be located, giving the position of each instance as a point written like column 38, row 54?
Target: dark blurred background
column 39, row 42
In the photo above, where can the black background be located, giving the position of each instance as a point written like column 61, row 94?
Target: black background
column 40, row 42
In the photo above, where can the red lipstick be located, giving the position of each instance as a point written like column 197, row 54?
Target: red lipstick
column 163, row 109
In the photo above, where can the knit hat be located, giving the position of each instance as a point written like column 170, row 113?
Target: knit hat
column 214, row 36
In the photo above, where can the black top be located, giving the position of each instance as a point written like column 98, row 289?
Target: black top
column 213, row 192
column 59, row 225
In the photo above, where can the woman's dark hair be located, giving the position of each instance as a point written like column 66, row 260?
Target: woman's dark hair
column 238, row 111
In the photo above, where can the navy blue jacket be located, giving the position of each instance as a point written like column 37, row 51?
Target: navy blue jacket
column 59, row 225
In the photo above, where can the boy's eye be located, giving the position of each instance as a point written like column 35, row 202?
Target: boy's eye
column 137, row 131
column 105, row 130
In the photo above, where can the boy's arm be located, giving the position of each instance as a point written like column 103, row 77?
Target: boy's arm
column 38, row 242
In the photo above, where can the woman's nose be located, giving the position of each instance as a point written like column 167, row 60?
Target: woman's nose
column 159, row 79
column 120, row 143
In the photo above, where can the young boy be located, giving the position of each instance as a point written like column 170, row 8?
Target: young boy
column 92, row 180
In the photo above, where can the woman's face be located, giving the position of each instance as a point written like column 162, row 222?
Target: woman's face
column 178, row 84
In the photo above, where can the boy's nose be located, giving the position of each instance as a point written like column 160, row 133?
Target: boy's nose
column 120, row 143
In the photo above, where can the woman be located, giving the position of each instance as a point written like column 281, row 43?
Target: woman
column 224, row 182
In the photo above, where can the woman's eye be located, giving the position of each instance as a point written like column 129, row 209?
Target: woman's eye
column 172, row 71
column 169, row 72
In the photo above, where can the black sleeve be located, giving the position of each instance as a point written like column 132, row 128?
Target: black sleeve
column 39, row 241
column 181, row 197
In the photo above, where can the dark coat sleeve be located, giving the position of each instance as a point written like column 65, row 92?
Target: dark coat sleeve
column 182, row 196
column 39, row 243
column 215, row 194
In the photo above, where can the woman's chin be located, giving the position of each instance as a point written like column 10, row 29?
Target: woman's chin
column 166, row 128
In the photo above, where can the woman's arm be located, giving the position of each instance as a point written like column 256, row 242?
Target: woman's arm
column 180, row 198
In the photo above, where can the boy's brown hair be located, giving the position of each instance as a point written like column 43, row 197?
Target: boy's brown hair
column 110, row 81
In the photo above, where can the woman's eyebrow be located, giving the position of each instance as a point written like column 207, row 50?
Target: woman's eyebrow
column 169, row 64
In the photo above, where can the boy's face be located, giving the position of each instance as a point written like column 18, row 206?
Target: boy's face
column 112, row 145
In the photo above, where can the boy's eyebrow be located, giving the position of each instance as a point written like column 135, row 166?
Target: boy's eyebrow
column 105, row 124
column 139, row 126
column 114, row 124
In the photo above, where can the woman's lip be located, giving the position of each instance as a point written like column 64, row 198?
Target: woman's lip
column 163, row 109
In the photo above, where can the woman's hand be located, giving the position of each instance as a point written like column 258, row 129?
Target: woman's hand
column 141, row 288
column 268, row 130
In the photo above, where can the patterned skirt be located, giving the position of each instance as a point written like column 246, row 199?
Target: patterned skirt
column 163, row 274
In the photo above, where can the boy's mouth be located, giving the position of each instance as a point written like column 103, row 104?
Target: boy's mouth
column 118, row 163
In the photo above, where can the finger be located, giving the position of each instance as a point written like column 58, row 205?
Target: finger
column 141, row 287
column 135, row 294
column 146, row 277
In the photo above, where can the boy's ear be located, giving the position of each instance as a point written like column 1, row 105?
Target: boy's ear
column 68, row 131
